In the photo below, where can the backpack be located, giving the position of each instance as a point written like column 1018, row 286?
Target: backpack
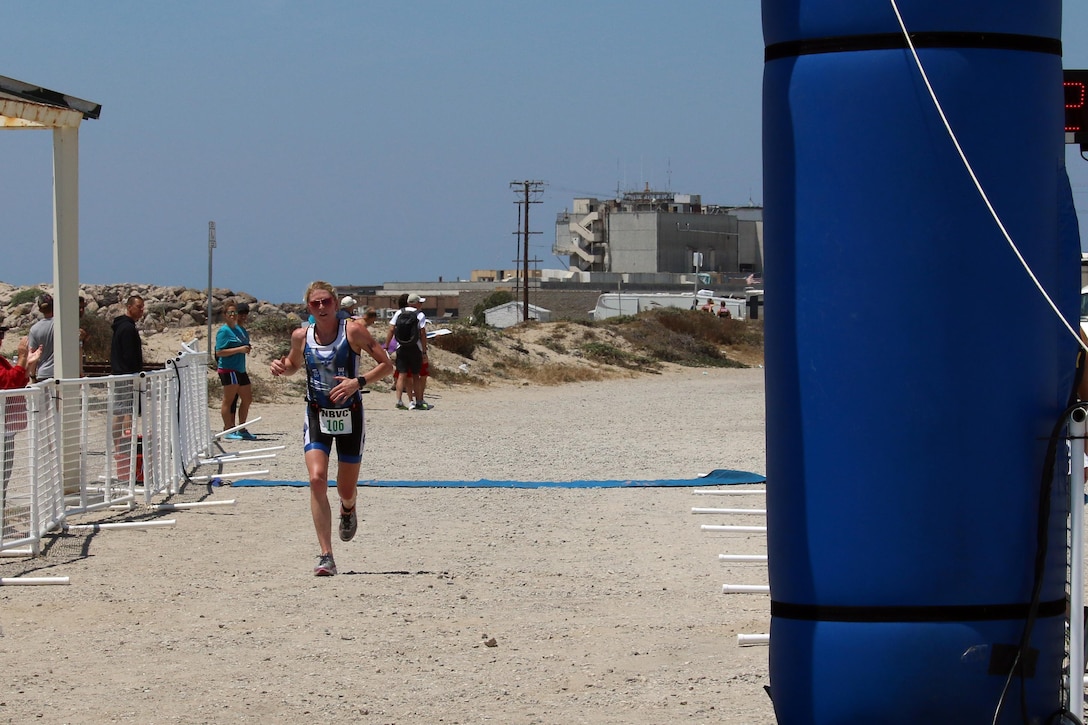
column 406, row 330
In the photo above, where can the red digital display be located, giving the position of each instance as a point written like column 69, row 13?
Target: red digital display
column 1076, row 110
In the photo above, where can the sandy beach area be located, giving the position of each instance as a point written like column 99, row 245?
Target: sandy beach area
column 452, row 605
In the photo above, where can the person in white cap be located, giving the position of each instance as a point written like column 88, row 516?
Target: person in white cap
column 411, row 337
column 348, row 305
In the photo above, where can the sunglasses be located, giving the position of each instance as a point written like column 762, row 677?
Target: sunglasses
column 323, row 302
column 232, row 314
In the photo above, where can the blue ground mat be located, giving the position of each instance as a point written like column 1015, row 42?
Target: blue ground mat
column 719, row 477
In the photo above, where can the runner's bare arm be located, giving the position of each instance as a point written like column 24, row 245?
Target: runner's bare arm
column 293, row 360
column 362, row 341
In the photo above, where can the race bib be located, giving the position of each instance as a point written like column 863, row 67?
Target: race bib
column 334, row 421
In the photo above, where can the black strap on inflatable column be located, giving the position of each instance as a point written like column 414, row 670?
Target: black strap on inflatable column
column 895, row 41
column 932, row 614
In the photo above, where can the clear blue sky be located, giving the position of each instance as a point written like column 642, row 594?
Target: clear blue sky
column 363, row 142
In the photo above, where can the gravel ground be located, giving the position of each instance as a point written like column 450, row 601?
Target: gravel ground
column 453, row 605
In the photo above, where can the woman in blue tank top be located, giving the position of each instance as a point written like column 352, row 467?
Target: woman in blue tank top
column 329, row 349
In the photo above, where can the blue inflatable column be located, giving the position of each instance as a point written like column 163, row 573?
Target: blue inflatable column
column 914, row 373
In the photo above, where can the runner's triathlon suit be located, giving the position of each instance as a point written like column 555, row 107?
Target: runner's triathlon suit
column 325, row 420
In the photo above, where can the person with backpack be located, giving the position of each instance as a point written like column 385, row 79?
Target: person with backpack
column 408, row 328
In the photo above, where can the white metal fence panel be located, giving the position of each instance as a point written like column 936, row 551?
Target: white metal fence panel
column 31, row 495
column 155, row 444
column 98, row 413
column 74, row 446
column 194, row 430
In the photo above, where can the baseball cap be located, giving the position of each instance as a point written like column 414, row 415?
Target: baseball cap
column 3, row 329
column 242, row 308
column 349, row 301
column 415, row 298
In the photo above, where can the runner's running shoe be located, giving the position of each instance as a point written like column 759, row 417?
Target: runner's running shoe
column 235, row 436
column 348, row 523
column 325, row 566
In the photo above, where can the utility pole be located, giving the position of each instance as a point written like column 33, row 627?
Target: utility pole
column 529, row 190
column 211, row 246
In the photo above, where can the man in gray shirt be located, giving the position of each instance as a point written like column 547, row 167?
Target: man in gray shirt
column 41, row 335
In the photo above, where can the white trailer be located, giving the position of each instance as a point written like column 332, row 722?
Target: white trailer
column 614, row 304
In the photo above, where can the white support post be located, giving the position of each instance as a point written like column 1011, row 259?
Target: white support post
column 232, row 475
column 746, row 588
column 754, row 512
column 120, row 525
column 750, row 639
column 193, row 505
column 235, row 459
column 748, row 529
column 1076, row 560
column 238, row 427
column 32, row 581
column 720, row 492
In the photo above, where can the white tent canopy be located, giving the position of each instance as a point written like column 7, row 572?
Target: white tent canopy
column 25, row 106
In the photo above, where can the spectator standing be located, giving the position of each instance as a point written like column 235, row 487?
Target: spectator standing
column 391, row 346
column 723, row 312
column 41, row 335
column 14, row 409
column 126, row 347
column 231, row 347
column 329, row 349
column 411, row 353
column 126, row 358
column 425, row 368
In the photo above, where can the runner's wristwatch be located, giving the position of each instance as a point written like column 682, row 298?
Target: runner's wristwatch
column 362, row 382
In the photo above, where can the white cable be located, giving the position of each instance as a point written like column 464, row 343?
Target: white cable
column 1004, row 232
column 981, row 192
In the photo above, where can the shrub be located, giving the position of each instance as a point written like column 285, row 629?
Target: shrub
column 274, row 332
column 555, row 344
column 273, row 325
column 96, row 348
column 462, row 341
column 29, row 294
column 685, row 337
column 279, row 348
column 607, row 354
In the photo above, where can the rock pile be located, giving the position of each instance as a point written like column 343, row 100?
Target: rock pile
column 165, row 307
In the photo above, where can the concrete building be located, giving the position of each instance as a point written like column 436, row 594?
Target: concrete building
column 659, row 231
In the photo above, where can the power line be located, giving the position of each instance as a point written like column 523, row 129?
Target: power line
column 530, row 194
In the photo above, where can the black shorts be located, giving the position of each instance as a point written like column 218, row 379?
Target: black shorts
column 233, row 377
column 409, row 360
column 349, row 446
